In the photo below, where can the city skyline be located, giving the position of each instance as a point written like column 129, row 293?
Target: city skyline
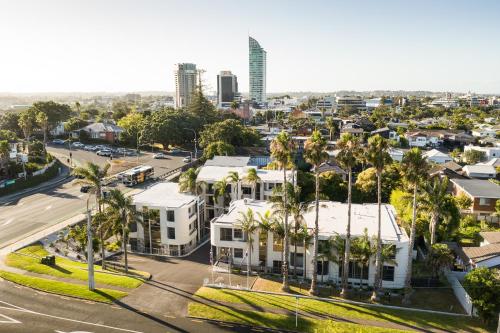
column 320, row 46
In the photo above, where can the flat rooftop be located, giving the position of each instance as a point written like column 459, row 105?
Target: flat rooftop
column 215, row 173
column 163, row 195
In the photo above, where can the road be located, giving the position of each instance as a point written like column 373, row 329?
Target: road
column 22, row 216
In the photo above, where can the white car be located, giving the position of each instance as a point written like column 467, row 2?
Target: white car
column 103, row 152
column 159, row 156
column 186, row 159
column 77, row 144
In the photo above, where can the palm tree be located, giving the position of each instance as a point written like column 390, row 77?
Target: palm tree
column 305, row 236
column 362, row 251
column 332, row 127
column 350, row 151
column 234, row 178
column 377, row 155
column 387, row 255
column 43, row 121
column 434, row 201
column 124, row 208
column 248, row 224
column 188, row 183
column 252, row 178
column 92, row 176
column 221, row 192
column 4, row 153
column 324, row 252
column 315, row 153
column 297, row 209
column 414, row 168
column 281, row 151
column 27, row 122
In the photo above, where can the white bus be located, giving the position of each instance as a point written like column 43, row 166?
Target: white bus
column 137, row 175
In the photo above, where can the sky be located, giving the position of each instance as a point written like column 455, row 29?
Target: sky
column 320, row 46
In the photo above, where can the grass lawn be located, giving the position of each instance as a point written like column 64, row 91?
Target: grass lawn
column 66, row 268
column 64, row 288
column 278, row 321
column 417, row 319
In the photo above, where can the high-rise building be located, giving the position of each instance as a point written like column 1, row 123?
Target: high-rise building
column 185, row 84
column 257, row 67
column 227, row 89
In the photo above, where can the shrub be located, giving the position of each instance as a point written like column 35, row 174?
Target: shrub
column 483, row 286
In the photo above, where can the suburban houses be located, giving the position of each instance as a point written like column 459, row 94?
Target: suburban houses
column 483, row 194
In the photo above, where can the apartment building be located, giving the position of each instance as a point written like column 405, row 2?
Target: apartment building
column 229, row 242
column 170, row 222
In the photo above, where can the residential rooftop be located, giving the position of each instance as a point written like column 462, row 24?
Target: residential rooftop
column 163, row 195
column 478, row 188
column 216, row 173
column 491, row 237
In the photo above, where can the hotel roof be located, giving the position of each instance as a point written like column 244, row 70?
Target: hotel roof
column 163, row 195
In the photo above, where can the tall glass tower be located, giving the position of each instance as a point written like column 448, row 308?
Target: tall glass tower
column 257, row 67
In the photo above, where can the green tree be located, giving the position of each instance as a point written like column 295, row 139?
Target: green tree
column 333, row 187
column 474, row 156
column 27, row 120
column 483, row 286
column 92, row 175
column 221, row 191
column 188, row 181
column 4, row 156
column 348, row 156
column 433, row 201
column 218, row 148
column 439, row 258
column 414, row 168
column 55, row 112
column 235, row 105
column 234, row 178
column 132, row 125
column 366, row 182
column 230, row 131
column 282, row 148
column 120, row 109
column 332, row 127
column 10, row 121
column 377, row 155
column 74, row 124
column 248, row 225
column 362, row 251
column 252, row 178
column 43, row 122
column 463, row 201
column 124, row 208
column 315, row 154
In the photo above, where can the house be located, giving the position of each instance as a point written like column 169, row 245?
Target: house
column 483, row 193
column 422, row 139
column 489, row 152
column 332, row 167
column 229, row 241
column 58, row 129
column 485, row 255
column 435, row 156
column 210, row 174
column 495, row 162
column 101, row 131
column 434, row 138
column 171, row 223
column 480, row 171
column 484, row 132
column 396, row 154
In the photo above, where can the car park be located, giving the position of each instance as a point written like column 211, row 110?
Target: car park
column 104, row 152
column 88, row 147
column 58, row 142
column 159, row 156
column 77, row 144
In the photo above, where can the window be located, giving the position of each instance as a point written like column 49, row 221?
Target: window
column 322, row 267
column 238, row 253
column 277, row 243
column 297, row 261
column 270, row 186
column 484, row 201
column 388, row 273
column 170, row 216
column 192, row 210
column 238, row 234
column 226, row 234
column 171, row 233
column 355, row 270
column 246, row 190
column 277, row 266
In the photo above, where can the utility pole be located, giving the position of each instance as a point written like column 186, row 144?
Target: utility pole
column 195, row 142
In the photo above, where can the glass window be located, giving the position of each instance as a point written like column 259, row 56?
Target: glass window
column 170, row 216
column 388, row 273
column 226, row 234
column 484, row 201
column 277, row 266
column 171, row 233
column 322, row 267
column 246, row 190
column 238, row 234
column 297, row 261
column 238, row 253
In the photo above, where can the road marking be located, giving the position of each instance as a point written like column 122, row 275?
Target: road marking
column 8, row 320
column 8, row 221
column 48, row 207
column 168, row 316
column 197, row 321
column 20, row 309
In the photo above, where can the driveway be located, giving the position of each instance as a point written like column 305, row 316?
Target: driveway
column 174, row 282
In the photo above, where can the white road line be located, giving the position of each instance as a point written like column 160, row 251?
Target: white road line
column 8, row 320
column 8, row 221
column 19, row 309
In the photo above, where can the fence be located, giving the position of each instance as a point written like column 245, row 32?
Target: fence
column 460, row 292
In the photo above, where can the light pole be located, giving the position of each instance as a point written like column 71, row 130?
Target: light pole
column 195, row 142
column 90, row 250
column 137, row 142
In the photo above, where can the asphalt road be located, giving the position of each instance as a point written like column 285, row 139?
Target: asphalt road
column 23, row 215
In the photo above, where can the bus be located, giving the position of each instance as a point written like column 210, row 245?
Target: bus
column 137, row 175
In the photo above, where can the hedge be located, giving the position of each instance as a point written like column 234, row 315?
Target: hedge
column 22, row 184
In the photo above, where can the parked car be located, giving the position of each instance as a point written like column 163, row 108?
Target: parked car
column 85, row 188
column 104, row 152
column 186, row 159
column 175, row 151
column 159, row 156
column 77, row 144
column 88, row 147
column 58, row 142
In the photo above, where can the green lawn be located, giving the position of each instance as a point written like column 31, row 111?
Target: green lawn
column 66, row 268
column 403, row 317
column 278, row 321
column 64, row 288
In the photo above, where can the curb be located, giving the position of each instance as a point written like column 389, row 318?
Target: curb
column 266, row 329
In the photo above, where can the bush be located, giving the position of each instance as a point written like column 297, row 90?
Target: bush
column 22, row 184
column 483, row 286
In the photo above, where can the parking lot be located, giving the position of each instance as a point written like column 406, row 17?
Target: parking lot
column 120, row 160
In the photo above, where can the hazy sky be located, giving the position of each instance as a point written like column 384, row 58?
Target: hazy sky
column 123, row 45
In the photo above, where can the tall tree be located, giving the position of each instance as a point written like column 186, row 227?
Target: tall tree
column 234, row 178
column 248, row 224
column 348, row 156
column 434, row 201
column 43, row 121
column 252, row 178
column 188, row 181
column 92, row 175
column 362, row 251
column 315, row 154
column 332, row 127
column 125, row 209
column 414, row 168
column 221, row 192
column 378, row 156
column 282, row 148
column 27, row 120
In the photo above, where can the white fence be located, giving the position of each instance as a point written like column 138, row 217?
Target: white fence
column 460, row 293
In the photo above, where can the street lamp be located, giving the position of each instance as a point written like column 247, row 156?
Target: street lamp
column 195, row 142
column 90, row 249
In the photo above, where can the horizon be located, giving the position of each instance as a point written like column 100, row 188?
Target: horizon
column 319, row 47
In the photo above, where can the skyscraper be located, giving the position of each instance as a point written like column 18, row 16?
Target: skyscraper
column 257, row 67
column 227, row 89
column 185, row 83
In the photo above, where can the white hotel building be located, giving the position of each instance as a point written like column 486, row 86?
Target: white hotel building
column 229, row 241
